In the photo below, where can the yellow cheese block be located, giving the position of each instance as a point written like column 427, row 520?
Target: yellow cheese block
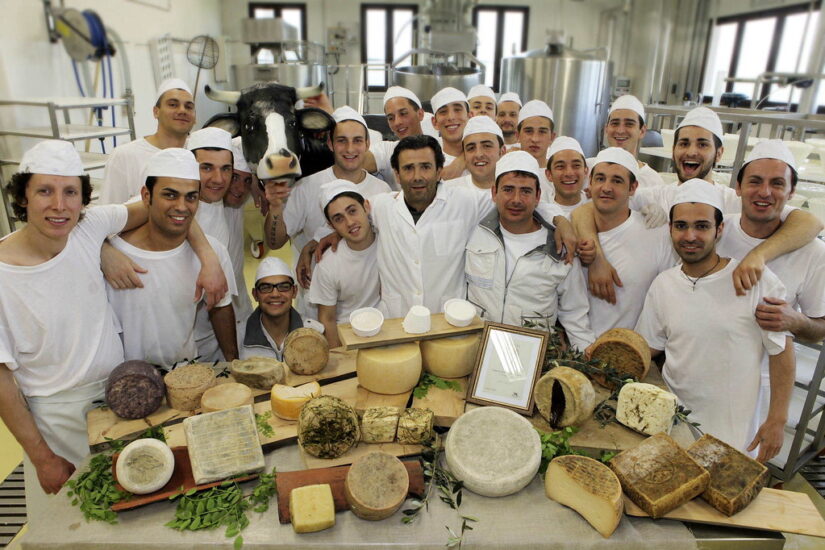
column 311, row 508
column 451, row 357
column 287, row 401
column 226, row 396
column 390, row 369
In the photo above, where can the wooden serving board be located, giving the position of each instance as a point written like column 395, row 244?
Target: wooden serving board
column 395, row 449
column 771, row 510
column 287, row 481
column 447, row 405
column 392, row 332
column 366, row 399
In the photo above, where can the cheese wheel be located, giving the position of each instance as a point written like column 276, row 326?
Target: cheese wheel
column 625, row 351
column 134, row 389
column 415, row 426
column 145, row 466
column 258, row 372
column 493, row 450
column 287, row 401
column 226, row 396
column 646, row 408
column 327, row 427
column 376, row 485
column 185, row 385
column 311, row 508
column 451, row 357
column 306, row 351
column 378, row 424
column 589, row 487
column 389, row 369
column 565, row 397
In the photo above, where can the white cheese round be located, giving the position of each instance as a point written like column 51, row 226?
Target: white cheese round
column 145, row 466
column 417, row 320
column 458, row 312
column 389, row 369
column 366, row 321
column 493, row 450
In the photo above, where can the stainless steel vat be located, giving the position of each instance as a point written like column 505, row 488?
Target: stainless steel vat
column 425, row 81
column 290, row 74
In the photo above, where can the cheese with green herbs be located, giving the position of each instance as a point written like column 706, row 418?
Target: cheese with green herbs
column 646, row 408
column 379, row 424
column 328, row 427
column 415, row 426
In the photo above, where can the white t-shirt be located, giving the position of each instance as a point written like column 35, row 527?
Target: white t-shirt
column 517, row 245
column 212, row 220
column 122, row 176
column 57, row 329
column 235, row 222
column 638, row 255
column 382, row 151
column 714, row 347
column 158, row 320
column 567, row 210
column 648, row 177
column 464, row 181
column 347, row 279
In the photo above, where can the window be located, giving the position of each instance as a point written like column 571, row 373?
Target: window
column 502, row 32
column 292, row 14
column 387, row 31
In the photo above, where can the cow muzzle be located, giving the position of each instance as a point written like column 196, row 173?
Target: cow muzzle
column 281, row 164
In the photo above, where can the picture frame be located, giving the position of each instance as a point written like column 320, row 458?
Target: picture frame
column 508, row 365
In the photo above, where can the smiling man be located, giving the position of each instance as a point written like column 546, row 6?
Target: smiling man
column 483, row 146
column 509, row 105
column 567, row 170
column 450, row 114
column 535, row 134
column 625, row 128
column 482, row 101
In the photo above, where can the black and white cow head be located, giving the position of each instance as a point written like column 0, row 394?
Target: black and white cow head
column 278, row 141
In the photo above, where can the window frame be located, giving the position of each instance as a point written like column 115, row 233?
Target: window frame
column 278, row 7
column 388, row 39
column 500, row 10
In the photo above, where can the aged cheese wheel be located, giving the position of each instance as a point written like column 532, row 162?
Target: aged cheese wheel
column 646, row 408
column 258, row 372
column 658, row 475
column 306, row 351
column 493, row 450
column 327, row 427
column 735, row 478
column 389, row 369
column 564, row 397
column 145, row 466
column 311, row 508
column 376, row 485
column 287, row 401
column 378, row 424
column 415, row 426
column 451, row 357
column 185, row 385
column 625, row 351
column 589, row 487
column 134, row 389
column 226, row 396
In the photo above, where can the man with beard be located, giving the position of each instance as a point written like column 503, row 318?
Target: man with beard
column 509, row 105
column 483, row 146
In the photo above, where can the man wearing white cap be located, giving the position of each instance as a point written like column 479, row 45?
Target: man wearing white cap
column 450, row 115
column 482, row 101
column 625, row 128
column 514, row 272
column 714, row 346
column 567, row 171
column 535, row 134
column 274, row 318
column 345, row 279
column 483, row 146
column 509, row 105
column 175, row 112
column 158, row 319
column 234, row 203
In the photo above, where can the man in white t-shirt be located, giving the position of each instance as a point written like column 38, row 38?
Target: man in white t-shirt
column 514, row 273
column 714, row 347
column 567, row 171
column 234, row 205
column 175, row 112
column 483, row 146
column 450, row 114
column 158, row 320
column 346, row 279
column 536, row 131
column 626, row 128
column 482, row 101
column 509, row 105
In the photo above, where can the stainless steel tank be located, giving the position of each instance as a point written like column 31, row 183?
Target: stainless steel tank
column 576, row 85
column 442, row 69
column 290, row 74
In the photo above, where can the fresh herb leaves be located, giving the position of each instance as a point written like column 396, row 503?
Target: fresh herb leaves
column 428, row 380
column 94, row 490
column 264, row 427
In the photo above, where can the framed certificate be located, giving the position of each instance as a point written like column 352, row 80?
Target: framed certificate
column 508, row 366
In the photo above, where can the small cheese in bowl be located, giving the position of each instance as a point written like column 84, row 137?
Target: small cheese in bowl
column 458, row 312
column 366, row 321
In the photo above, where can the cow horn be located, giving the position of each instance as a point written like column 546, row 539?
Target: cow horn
column 224, row 96
column 309, row 91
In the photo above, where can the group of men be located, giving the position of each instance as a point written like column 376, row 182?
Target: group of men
column 495, row 209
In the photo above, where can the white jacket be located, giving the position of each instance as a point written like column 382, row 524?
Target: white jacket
column 541, row 288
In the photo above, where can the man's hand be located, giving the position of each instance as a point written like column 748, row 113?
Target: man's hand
column 276, row 193
column 777, row 315
column 748, row 272
column 454, row 169
column 211, row 283
column 600, row 280
column 769, row 440
column 53, row 472
column 586, row 251
column 330, row 241
column 566, row 238
column 320, row 101
column 119, row 269
column 654, row 215
column 304, row 267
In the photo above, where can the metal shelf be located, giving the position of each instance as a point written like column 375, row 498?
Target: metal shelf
column 91, row 161
column 69, row 132
column 67, row 102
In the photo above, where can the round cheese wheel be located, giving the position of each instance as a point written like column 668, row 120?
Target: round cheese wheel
column 623, row 350
column 185, row 385
column 258, row 372
column 327, row 427
column 145, row 466
column 306, row 351
column 287, row 401
column 451, row 357
column 564, row 397
column 389, row 369
column 493, row 450
column 134, row 389
column 376, row 485
column 226, row 396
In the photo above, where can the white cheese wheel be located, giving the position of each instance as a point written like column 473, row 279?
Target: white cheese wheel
column 451, row 357
column 493, row 450
column 376, row 485
column 389, row 369
column 417, row 320
column 287, row 401
column 145, row 466
column 646, row 408
column 564, row 397
column 306, row 351
column 226, row 396
column 458, row 312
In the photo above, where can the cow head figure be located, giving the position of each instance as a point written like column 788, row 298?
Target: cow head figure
column 278, row 140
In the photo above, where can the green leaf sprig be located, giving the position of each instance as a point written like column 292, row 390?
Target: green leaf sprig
column 427, row 380
column 95, row 492
column 264, row 427
column 682, row 416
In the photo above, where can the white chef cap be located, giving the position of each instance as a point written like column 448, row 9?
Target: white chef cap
column 563, row 143
column 445, row 96
column 535, row 107
column 482, row 124
column 399, row 91
column 510, row 96
column 630, row 102
column 210, row 137
column 697, row 190
column 771, row 149
column 171, row 84
column 703, row 118
column 270, row 266
column 480, row 90
column 239, row 161
column 334, row 188
column 348, row 113
column 52, row 157
column 173, row 162
column 518, row 161
column 617, row 155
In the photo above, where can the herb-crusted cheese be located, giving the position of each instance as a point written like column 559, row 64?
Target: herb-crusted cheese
column 389, row 369
column 328, row 427
column 145, row 466
column 415, row 426
column 376, row 486
column 379, row 424
column 624, row 351
column 564, row 397
column 646, row 408
column 451, row 357
column 311, row 508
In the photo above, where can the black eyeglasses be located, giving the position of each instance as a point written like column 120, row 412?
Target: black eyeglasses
column 266, row 288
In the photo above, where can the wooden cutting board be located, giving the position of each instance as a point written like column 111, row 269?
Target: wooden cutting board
column 395, row 449
column 447, row 405
column 771, row 510
column 392, row 332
